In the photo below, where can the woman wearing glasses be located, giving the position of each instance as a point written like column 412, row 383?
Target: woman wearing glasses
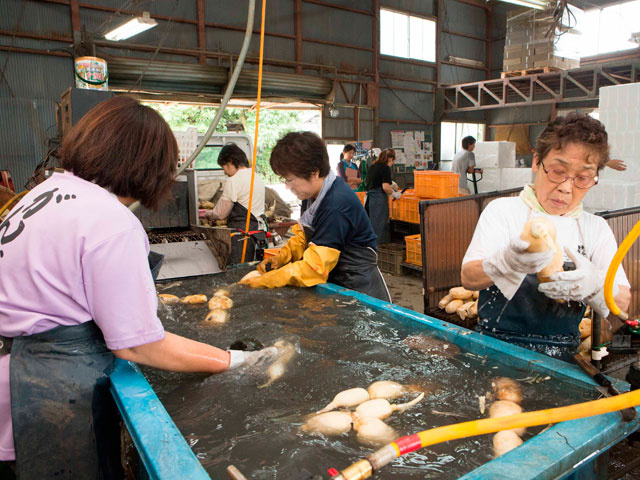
column 513, row 305
column 334, row 240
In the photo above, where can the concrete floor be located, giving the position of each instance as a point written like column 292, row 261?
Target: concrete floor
column 406, row 291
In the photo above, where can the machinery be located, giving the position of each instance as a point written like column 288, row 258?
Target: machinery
column 176, row 231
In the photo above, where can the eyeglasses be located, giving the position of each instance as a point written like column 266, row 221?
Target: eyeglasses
column 288, row 182
column 560, row 176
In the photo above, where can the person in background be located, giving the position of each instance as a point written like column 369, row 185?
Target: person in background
column 513, row 305
column 347, row 169
column 379, row 188
column 464, row 161
column 334, row 240
column 617, row 164
column 76, row 291
column 234, row 202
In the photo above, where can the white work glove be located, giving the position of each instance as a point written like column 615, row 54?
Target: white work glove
column 584, row 284
column 508, row 267
column 258, row 358
column 394, row 185
column 396, row 195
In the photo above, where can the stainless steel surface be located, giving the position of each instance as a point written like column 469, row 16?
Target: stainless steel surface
column 185, row 259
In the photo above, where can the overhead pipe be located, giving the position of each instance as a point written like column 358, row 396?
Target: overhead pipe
column 227, row 95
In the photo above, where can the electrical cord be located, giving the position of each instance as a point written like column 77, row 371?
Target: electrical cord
column 402, row 101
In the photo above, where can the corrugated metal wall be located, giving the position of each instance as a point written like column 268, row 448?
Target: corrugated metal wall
column 337, row 44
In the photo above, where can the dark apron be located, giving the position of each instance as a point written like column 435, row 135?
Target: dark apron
column 531, row 319
column 65, row 422
column 357, row 269
column 238, row 219
column 377, row 207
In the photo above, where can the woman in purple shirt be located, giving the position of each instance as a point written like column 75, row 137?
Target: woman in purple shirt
column 76, row 292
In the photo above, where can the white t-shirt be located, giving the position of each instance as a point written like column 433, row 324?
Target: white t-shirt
column 504, row 218
column 461, row 163
column 238, row 187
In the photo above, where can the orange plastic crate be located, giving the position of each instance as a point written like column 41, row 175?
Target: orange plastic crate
column 361, row 196
column 406, row 209
column 414, row 250
column 435, row 184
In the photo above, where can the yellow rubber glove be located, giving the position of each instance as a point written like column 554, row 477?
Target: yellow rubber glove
column 314, row 268
column 291, row 252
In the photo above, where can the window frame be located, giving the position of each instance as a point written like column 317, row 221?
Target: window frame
column 386, row 56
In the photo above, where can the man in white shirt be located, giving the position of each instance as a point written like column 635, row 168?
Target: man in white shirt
column 464, row 162
column 234, row 202
column 513, row 305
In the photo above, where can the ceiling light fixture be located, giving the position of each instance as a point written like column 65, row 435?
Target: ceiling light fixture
column 133, row 27
column 537, row 4
column 333, row 111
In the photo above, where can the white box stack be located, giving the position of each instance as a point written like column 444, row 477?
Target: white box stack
column 619, row 107
column 515, row 177
column 503, row 179
column 495, row 154
column 498, row 163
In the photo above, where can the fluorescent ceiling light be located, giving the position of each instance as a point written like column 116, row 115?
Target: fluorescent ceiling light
column 132, row 27
column 537, row 4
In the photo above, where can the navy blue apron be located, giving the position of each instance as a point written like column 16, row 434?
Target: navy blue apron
column 377, row 207
column 238, row 220
column 531, row 319
column 357, row 269
column 65, row 421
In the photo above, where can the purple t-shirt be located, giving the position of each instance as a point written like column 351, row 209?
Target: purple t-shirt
column 71, row 252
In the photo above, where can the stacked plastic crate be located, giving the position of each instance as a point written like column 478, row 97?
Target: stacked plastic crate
column 429, row 184
column 619, row 107
column 498, row 163
column 187, row 144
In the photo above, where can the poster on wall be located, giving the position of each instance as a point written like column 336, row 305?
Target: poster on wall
column 414, row 148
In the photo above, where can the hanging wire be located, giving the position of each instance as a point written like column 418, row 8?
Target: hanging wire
column 402, row 101
column 558, row 27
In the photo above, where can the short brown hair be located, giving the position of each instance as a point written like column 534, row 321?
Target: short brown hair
column 384, row 156
column 300, row 154
column 575, row 128
column 126, row 148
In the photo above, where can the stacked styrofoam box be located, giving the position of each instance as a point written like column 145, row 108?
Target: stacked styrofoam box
column 503, row 179
column 498, row 163
column 515, row 177
column 619, row 107
column 495, row 154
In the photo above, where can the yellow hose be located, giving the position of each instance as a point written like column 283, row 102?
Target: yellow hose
column 12, row 201
column 365, row 468
column 255, row 136
column 613, row 268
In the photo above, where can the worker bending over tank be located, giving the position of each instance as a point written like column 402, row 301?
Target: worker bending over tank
column 234, row 202
column 76, row 291
column 514, row 304
column 334, row 240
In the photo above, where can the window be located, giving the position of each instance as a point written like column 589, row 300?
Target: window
column 603, row 30
column 451, row 135
column 407, row 36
